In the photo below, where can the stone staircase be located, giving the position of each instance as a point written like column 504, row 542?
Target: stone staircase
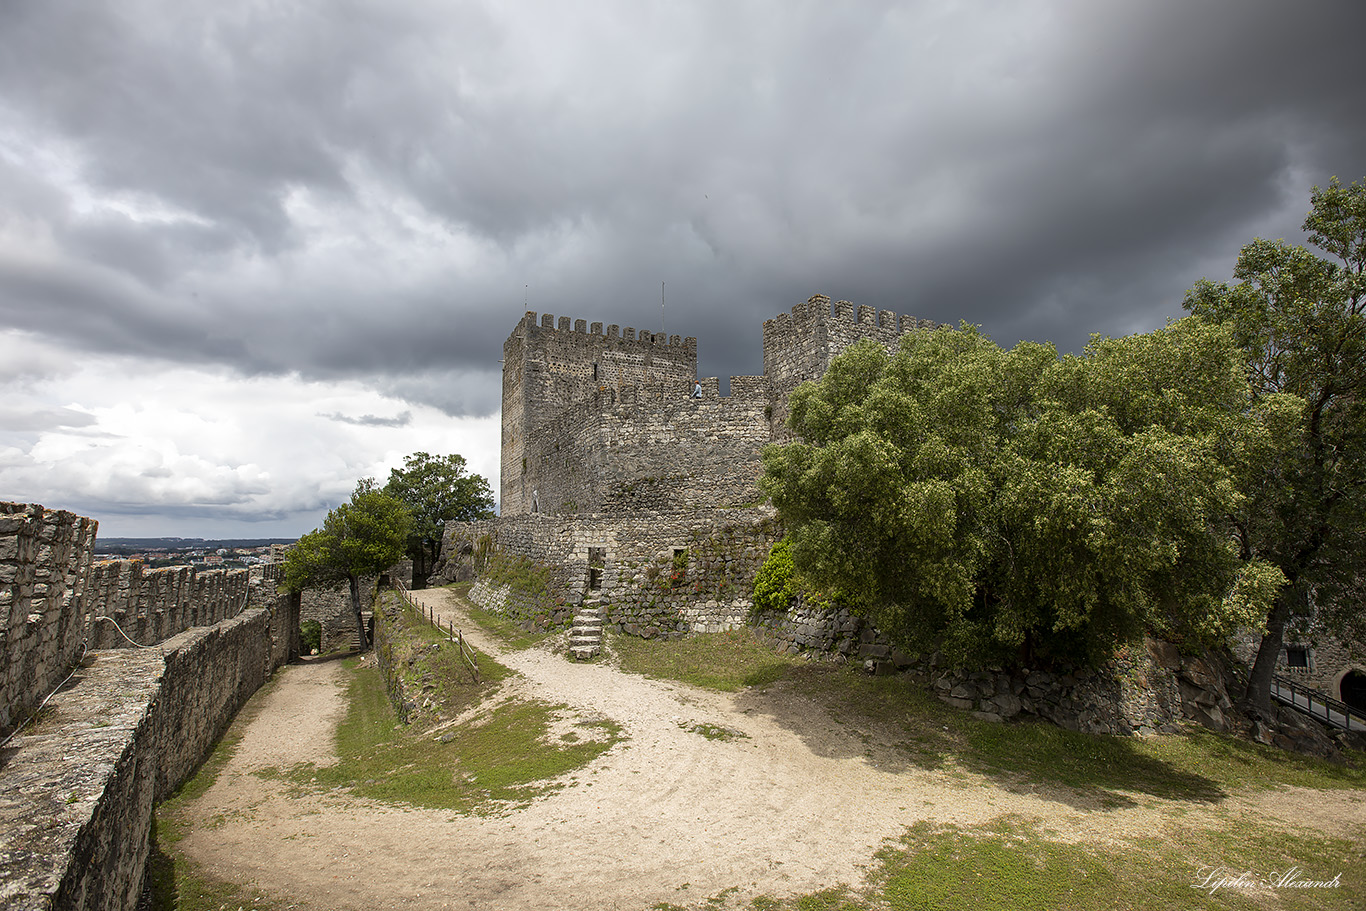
column 585, row 636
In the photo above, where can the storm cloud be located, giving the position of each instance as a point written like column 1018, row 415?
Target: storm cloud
column 365, row 195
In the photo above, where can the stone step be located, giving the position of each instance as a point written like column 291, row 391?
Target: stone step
column 587, row 623
column 583, row 652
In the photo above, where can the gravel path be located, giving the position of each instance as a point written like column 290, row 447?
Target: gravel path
column 795, row 805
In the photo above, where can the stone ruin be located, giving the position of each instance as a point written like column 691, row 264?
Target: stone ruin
column 625, row 492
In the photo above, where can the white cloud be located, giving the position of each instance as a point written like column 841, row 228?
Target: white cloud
column 152, row 448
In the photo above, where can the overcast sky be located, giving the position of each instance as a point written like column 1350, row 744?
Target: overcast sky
column 251, row 252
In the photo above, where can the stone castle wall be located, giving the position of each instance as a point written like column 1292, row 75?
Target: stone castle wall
column 632, row 566
column 330, row 606
column 1329, row 659
column 628, row 450
column 547, row 369
column 800, row 345
column 45, row 556
column 148, row 605
column 130, row 722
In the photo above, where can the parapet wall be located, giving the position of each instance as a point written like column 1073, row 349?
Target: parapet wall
column 129, row 723
column 148, row 605
column 77, row 796
column 56, row 602
column 44, row 558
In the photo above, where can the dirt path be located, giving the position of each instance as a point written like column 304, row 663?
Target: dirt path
column 796, row 805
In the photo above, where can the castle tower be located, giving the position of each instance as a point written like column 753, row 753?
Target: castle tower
column 800, row 345
column 548, row 368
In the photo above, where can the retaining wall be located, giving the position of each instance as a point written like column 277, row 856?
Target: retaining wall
column 626, row 564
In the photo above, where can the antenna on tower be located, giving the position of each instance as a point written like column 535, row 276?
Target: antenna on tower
column 662, row 326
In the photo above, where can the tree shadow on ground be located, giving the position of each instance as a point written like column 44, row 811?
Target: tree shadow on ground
column 895, row 725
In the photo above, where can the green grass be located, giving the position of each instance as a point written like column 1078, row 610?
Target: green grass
column 728, row 661
column 430, row 665
column 1009, row 864
column 1032, row 755
column 512, row 636
column 484, row 765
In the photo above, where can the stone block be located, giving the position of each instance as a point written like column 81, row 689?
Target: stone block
column 1007, row 705
column 956, row 702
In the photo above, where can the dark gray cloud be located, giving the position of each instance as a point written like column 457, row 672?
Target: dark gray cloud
column 378, row 190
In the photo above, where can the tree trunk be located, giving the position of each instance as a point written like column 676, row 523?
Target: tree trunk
column 1258, row 695
column 355, row 609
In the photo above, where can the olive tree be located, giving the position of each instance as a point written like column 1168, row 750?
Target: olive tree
column 365, row 535
column 1298, row 320
column 1013, row 505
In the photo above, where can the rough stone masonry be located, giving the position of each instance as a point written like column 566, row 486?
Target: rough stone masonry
column 137, row 673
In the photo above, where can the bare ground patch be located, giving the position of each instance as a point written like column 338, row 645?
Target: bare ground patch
column 794, row 801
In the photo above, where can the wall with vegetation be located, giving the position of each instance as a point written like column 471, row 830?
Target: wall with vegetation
column 654, row 574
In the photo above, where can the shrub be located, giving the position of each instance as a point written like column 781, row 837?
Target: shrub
column 310, row 636
column 774, row 585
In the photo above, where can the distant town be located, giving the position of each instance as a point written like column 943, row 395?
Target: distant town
column 209, row 554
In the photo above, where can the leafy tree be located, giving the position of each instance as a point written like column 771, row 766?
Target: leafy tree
column 437, row 491
column 1005, row 504
column 366, row 535
column 1298, row 319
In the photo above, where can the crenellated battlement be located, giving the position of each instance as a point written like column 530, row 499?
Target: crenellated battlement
column 819, row 310
column 548, row 322
column 574, row 392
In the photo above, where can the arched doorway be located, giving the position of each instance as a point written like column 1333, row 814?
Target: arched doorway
column 1353, row 690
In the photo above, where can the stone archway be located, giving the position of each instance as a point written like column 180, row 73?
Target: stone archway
column 1352, row 689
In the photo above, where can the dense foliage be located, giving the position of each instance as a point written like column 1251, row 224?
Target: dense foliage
column 1012, row 505
column 437, row 490
column 1298, row 319
column 361, row 537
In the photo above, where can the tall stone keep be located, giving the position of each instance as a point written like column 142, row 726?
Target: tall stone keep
column 550, row 371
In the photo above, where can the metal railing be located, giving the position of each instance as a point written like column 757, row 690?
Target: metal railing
column 466, row 653
column 1325, row 708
